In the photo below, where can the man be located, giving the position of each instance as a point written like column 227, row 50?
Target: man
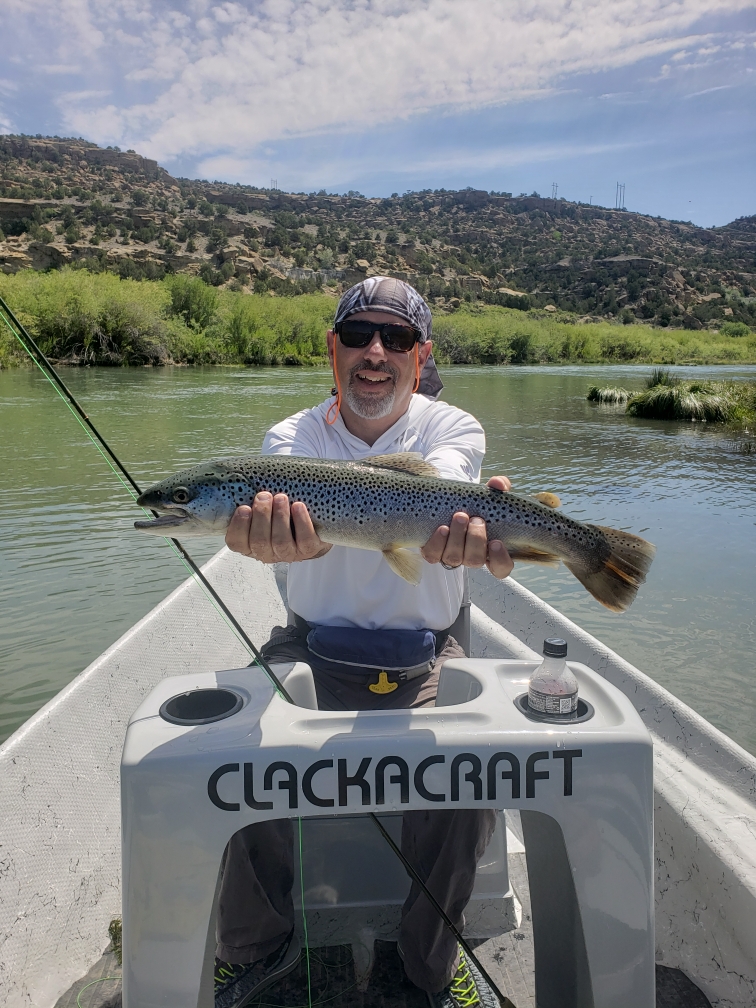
column 380, row 351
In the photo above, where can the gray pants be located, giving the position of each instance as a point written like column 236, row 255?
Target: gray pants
column 256, row 911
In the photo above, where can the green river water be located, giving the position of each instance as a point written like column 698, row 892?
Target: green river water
column 75, row 574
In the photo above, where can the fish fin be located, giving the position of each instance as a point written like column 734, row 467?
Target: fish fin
column 529, row 554
column 406, row 462
column 550, row 500
column 405, row 563
column 616, row 583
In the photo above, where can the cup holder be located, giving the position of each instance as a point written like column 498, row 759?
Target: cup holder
column 584, row 712
column 202, row 706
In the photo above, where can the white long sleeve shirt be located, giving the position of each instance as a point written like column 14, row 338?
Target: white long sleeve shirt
column 356, row 587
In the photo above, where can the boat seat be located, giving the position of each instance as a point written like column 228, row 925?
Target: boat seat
column 208, row 753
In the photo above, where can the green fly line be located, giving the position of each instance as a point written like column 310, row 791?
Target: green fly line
column 91, row 984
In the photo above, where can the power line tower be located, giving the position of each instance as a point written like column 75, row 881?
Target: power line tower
column 554, row 190
column 274, row 183
column 619, row 199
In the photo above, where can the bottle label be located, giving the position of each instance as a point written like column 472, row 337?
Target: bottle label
column 548, row 703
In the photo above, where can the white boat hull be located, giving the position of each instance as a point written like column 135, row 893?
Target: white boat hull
column 60, row 828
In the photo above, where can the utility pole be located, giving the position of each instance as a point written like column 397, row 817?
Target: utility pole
column 554, row 190
column 619, row 199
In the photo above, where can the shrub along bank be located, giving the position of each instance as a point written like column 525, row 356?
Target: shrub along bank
column 98, row 318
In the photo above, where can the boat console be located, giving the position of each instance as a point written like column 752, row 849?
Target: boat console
column 207, row 754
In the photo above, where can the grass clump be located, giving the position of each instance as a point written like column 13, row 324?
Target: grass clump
column 115, row 929
column 668, row 398
column 611, row 395
column 715, row 403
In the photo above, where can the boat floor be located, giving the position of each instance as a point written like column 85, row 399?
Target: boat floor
column 508, row 958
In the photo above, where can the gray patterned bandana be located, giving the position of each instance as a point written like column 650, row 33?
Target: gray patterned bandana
column 395, row 297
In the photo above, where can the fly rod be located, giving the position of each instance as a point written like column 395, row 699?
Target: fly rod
column 37, row 355
column 503, row 999
column 42, row 361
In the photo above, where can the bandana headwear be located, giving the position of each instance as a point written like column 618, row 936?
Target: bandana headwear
column 395, row 297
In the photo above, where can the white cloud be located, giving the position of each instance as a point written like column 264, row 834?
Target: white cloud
column 58, row 68
column 336, row 171
column 208, row 77
column 709, row 90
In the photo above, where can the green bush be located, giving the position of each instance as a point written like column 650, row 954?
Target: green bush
column 192, row 300
column 88, row 315
column 92, row 318
column 98, row 318
column 735, row 329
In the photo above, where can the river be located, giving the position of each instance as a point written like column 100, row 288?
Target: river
column 75, row 574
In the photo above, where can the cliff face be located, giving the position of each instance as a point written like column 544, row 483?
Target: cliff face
column 70, row 202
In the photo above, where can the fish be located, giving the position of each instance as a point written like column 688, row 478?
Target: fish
column 393, row 504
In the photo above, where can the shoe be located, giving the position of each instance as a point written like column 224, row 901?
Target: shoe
column 237, row 984
column 468, row 989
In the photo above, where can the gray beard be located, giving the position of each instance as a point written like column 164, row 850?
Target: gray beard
column 367, row 407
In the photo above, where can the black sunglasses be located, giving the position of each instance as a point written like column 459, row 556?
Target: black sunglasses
column 355, row 333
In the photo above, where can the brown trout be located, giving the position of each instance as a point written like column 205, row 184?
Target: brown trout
column 394, row 503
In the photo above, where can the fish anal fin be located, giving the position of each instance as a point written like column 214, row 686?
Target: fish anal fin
column 404, row 563
column 529, row 554
column 406, row 462
column 550, row 500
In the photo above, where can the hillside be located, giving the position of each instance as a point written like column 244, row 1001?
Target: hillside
column 66, row 201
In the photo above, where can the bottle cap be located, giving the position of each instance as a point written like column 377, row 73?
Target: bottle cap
column 555, row 647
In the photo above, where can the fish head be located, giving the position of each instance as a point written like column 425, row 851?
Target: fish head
column 194, row 502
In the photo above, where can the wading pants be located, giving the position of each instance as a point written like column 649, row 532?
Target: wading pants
column 255, row 910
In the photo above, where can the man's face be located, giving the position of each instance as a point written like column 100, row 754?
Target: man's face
column 375, row 381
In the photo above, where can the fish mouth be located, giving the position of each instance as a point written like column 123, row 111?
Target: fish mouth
column 172, row 520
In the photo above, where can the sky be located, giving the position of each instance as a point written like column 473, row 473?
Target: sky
column 384, row 96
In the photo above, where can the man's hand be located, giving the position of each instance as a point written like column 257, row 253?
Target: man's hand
column 264, row 531
column 465, row 544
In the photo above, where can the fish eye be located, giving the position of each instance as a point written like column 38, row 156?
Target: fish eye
column 180, row 495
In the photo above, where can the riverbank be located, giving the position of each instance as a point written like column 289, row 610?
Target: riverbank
column 85, row 318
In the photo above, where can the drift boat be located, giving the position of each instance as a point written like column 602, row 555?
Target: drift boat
column 59, row 777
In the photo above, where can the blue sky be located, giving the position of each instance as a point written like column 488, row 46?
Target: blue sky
column 384, row 96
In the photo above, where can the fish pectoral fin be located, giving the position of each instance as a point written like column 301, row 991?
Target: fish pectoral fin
column 529, row 554
column 549, row 500
column 405, row 563
column 406, row 462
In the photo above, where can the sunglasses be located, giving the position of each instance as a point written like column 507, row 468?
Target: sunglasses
column 355, row 333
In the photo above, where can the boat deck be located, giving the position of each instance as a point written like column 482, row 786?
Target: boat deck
column 509, row 960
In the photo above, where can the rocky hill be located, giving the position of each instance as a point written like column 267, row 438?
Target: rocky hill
column 65, row 201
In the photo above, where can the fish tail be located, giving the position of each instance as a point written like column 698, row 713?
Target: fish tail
column 616, row 582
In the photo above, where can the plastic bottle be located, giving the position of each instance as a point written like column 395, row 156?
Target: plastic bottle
column 553, row 689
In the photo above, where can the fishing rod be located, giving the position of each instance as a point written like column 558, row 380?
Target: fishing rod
column 503, row 999
column 43, row 362
column 38, row 356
